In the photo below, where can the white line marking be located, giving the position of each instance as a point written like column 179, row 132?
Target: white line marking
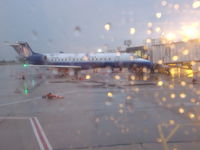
column 40, row 135
column 22, row 101
column 45, row 137
column 36, row 134
column 14, row 118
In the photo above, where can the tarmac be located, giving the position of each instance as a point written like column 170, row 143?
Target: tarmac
column 104, row 112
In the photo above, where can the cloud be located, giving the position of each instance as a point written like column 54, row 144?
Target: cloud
column 49, row 25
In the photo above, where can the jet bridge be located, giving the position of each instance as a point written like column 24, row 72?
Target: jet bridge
column 182, row 58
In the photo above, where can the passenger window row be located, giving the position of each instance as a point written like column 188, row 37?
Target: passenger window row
column 79, row 59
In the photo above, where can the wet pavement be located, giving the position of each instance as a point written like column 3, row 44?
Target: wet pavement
column 102, row 113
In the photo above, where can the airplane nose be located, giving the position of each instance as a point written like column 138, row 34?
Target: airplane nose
column 148, row 64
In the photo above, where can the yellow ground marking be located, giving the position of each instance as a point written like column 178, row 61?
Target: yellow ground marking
column 171, row 134
column 164, row 142
column 166, row 139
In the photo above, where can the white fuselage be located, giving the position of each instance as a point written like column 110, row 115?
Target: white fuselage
column 89, row 60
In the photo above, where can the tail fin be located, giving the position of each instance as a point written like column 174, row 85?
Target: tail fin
column 23, row 49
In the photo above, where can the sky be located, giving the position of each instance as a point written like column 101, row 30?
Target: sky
column 78, row 25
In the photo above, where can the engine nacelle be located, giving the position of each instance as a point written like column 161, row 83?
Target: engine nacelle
column 37, row 59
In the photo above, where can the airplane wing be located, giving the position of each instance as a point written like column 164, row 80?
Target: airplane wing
column 56, row 66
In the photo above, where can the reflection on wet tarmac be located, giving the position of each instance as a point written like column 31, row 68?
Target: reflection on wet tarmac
column 107, row 111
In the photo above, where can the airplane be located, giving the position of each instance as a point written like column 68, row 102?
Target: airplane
column 80, row 61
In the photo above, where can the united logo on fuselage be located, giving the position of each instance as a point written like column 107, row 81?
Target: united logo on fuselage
column 25, row 52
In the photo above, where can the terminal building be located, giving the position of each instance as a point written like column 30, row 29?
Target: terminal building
column 181, row 58
column 175, row 52
column 140, row 51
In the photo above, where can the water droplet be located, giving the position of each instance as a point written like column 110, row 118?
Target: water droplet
column 107, row 26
